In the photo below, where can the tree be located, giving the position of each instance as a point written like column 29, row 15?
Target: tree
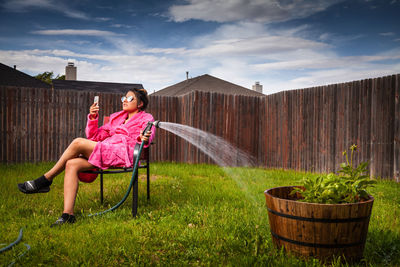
column 47, row 77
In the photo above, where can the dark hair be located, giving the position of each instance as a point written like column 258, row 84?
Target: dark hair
column 141, row 96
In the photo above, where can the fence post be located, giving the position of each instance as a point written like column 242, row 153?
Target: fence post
column 396, row 141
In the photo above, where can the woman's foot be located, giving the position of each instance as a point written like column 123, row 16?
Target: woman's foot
column 40, row 185
column 65, row 218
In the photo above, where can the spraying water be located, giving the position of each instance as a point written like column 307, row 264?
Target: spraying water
column 221, row 151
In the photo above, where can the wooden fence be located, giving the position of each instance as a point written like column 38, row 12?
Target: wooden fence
column 304, row 129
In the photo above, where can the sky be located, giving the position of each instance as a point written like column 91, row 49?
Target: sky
column 283, row 44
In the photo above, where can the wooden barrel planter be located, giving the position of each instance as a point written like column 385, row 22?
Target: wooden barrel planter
column 317, row 230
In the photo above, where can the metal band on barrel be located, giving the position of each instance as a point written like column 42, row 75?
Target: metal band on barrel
column 314, row 245
column 322, row 220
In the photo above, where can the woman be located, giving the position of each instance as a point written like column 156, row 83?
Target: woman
column 108, row 146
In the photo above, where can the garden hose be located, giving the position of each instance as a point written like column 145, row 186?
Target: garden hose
column 21, row 255
column 130, row 185
column 135, row 169
column 13, row 243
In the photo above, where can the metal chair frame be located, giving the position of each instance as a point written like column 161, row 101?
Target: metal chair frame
column 144, row 157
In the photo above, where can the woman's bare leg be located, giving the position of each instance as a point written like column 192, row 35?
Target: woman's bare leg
column 71, row 181
column 78, row 146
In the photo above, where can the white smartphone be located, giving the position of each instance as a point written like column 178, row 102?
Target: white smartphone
column 96, row 100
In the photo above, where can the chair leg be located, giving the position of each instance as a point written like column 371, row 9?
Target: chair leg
column 135, row 193
column 148, row 180
column 101, row 188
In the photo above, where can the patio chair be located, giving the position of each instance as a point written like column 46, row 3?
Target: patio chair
column 144, row 164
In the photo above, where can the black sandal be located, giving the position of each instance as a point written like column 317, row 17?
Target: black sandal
column 65, row 218
column 30, row 187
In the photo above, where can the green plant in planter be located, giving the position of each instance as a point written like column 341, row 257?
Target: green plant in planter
column 348, row 186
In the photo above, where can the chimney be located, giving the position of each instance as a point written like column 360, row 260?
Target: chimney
column 15, row 67
column 70, row 72
column 258, row 87
column 187, row 75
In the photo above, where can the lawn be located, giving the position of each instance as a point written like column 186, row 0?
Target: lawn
column 197, row 215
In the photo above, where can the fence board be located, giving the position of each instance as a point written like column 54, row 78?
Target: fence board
column 396, row 135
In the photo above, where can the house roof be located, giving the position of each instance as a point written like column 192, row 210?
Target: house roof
column 12, row 77
column 206, row 83
column 95, row 86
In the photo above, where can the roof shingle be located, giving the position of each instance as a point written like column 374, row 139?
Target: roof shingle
column 95, row 86
column 12, row 77
column 206, row 83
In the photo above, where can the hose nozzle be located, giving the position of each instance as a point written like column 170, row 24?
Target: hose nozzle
column 150, row 124
column 156, row 124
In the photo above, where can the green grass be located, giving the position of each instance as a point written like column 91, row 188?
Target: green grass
column 198, row 215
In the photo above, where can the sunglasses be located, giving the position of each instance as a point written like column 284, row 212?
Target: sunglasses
column 129, row 98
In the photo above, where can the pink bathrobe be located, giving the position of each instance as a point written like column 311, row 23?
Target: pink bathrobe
column 116, row 140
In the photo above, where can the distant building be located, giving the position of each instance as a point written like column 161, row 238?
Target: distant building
column 70, row 72
column 205, row 83
column 13, row 77
column 258, row 87
column 70, row 83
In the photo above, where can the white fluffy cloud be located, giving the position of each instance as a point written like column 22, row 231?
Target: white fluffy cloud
column 247, row 10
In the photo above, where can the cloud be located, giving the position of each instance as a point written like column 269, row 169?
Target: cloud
column 154, row 72
column 241, row 53
column 117, row 25
column 387, row 33
column 325, row 62
column 87, row 32
column 343, row 74
column 103, row 19
column 247, row 10
column 22, row 5
column 176, row 51
column 26, row 5
column 257, row 46
column 251, row 40
column 247, row 52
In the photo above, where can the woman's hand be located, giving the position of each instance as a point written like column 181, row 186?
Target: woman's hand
column 145, row 138
column 94, row 111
